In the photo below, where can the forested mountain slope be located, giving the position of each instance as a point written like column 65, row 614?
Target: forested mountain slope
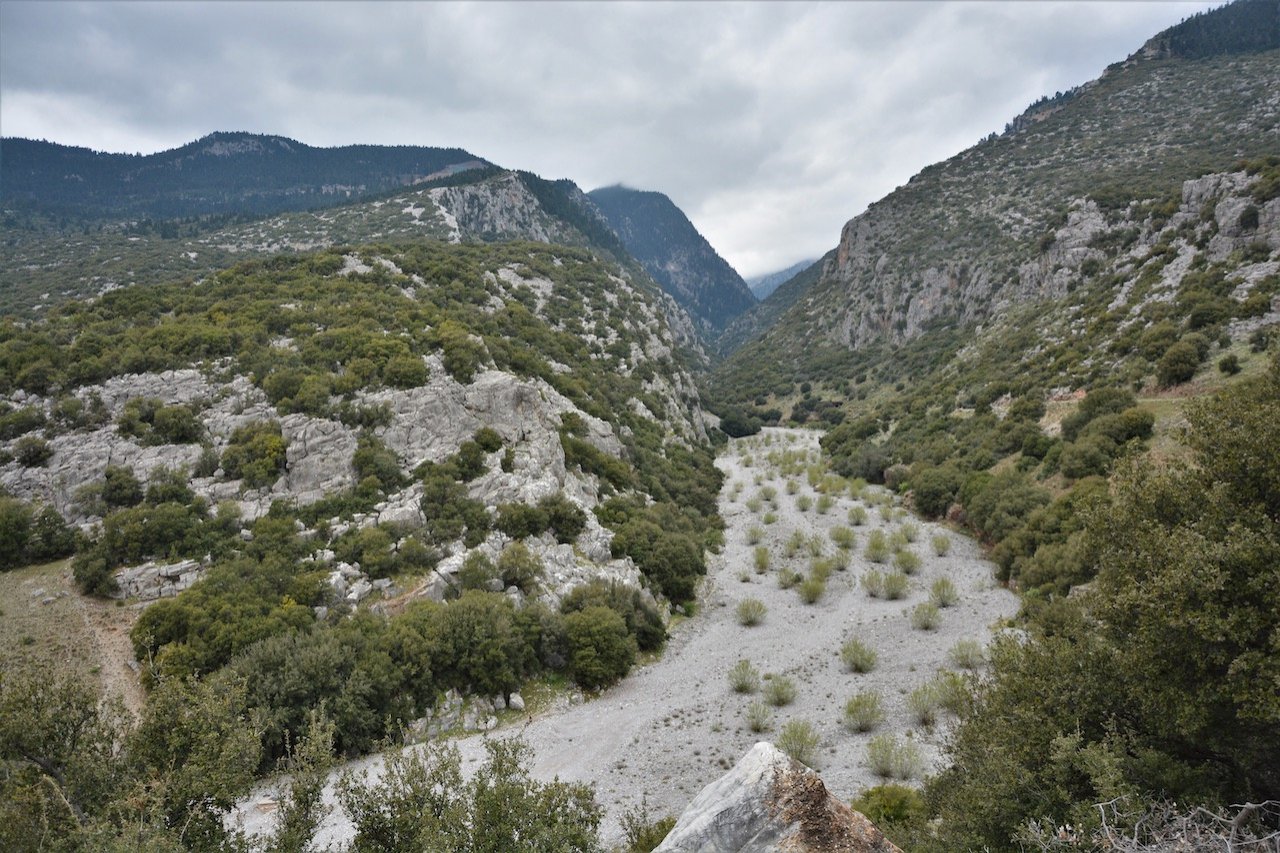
column 663, row 239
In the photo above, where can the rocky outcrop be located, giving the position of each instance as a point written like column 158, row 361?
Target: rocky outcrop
column 151, row 581
column 769, row 803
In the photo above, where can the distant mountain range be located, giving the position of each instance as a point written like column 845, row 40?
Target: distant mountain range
column 221, row 173
column 680, row 259
column 764, row 285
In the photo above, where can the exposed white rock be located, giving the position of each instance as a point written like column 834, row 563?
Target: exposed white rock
column 769, row 803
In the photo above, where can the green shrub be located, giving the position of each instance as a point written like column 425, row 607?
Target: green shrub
column 601, row 650
column 895, row 586
column 943, row 593
column 750, row 612
column 967, row 654
column 795, row 543
column 825, row 502
column 754, row 535
column 779, row 690
column 641, row 831
column 925, row 616
column 761, row 559
column 907, row 562
column 744, row 678
column 804, row 503
column 858, row 656
column 863, row 712
column 873, row 583
column 759, row 717
column 889, row 759
column 769, row 518
column 877, row 547
column 923, row 704
column 1178, row 364
column 941, row 544
column 857, row 516
column 32, row 451
column 256, row 453
column 120, row 488
column 799, row 739
column 1229, row 364
column 811, row 590
column 519, row 567
column 843, row 537
column 787, row 578
column 891, row 805
column 910, row 531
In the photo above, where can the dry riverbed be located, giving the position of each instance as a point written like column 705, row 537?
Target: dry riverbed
column 674, row 725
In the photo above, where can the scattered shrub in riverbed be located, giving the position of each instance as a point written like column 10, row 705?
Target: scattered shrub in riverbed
column 858, row 656
column 943, row 593
column 890, row 759
column 799, row 739
column 759, row 717
column 779, row 690
column 811, row 589
column 907, row 562
column 941, row 544
column 895, row 586
column 863, row 712
column 925, row 616
column 967, row 654
column 744, row 678
column 877, row 547
column 750, row 612
column 761, row 558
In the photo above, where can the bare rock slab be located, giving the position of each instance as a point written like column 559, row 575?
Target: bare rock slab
column 769, row 803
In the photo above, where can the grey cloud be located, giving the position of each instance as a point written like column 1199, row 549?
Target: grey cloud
column 769, row 123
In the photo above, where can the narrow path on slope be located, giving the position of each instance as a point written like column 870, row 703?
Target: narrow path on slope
column 675, row 725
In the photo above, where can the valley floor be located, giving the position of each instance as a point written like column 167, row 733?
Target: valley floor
column 675, row 725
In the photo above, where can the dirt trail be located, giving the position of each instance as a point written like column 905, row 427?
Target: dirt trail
column 675, row 725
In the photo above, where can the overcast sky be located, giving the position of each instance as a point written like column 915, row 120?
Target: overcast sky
column 769, row 124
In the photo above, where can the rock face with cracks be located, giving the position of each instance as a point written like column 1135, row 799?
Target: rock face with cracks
column 769, row 802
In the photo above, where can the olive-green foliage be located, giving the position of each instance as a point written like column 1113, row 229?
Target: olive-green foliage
column 601, row 650
column 31, row 534
column 374, row 459
column 1178, row 364
column 744, row 678
column 238, row 603
column 812, row 589
column 895, row 585
column 750, row 612
column 759, row 717
column 891, row 759
column 799, row 739
column 941, row 544
column 256, row 454
column 665, row 542
column 863, row 712
column 32, row 451
column 943, row 592
column 760, row 557
column 892, row 808
column 519, row 567
column 857, row 656
column 925, row 616
column 779, row 690
column 449, row 513
column 877, row 550
column 1158, row 675
column 907, row 562
column 120, row 487
column 421, row 802
column 644, row 622
column 642, row 831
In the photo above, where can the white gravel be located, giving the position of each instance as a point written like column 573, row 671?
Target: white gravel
column 675, row 725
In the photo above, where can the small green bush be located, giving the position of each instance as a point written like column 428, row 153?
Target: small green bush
column 804, row 503
column 779, row 690
column 925, row 616
column 761, row 558
column 941, row 544
column 750, row 612
column 873, row 583
column 843, row 537
column 923, row 704
column 895, row 586
column 910, row 531
column 754, row 535
column 811, row 589
column 943, row 593
column 891, row 805
column 877, row 547
column 799, row 739
column 863, row 712
column 744, row 678
column 907, row 562
column 825, row 502
column 967, row 654
column 889, row 759
column 769, row 518
column 759, row 717
column 858, row 656
column 787, row 578
column 857, row 516
column 795, row 542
